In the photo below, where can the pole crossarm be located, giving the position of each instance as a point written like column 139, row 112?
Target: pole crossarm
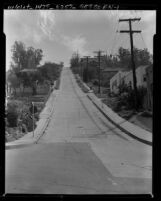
column 130, row 19
column 126, row 31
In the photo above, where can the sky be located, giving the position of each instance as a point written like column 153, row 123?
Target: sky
column 60, row 33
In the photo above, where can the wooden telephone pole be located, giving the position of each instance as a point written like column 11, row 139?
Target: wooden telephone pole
column 130, row 31
column 99, row 65
column 87, row 57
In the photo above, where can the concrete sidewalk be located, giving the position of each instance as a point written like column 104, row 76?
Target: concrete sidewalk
column 44, row 120
column 130, row 129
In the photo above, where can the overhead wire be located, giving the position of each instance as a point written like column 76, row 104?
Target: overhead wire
column 116, row 34
column 138, row 28
column 143, row 41
column 114, row 40
column 123, row 41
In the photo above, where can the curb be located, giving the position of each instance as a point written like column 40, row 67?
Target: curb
column 45, row 125
column 120, row 127
column 23, row 143
column 126, row 131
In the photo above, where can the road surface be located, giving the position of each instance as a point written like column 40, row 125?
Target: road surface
column 81, row 152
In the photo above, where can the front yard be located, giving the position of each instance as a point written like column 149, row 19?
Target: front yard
column 139, row 118
column 19, row 119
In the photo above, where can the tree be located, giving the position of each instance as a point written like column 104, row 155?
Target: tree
column 50, row 71
column 19, row 56
column 108, row 61
column 141, row 57
column 34, row 56
column 23, row 58
column 74, row 63
column 124, row 57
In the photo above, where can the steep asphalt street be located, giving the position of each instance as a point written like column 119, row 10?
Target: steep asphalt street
column 81, row 152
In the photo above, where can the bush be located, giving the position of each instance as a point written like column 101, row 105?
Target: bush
column 12, row 118
column 116, row 107
column 127, row 97
column 95, row 82
column 123, row 88
column 12, row 114
column 141, row 94
column 106, row 84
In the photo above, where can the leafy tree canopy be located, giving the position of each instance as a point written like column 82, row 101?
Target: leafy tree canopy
column 23, row 57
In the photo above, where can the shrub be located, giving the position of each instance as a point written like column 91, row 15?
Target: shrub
column 12, row 114
column 95, row 82
column 123, row 88
column 141, row 94
column 116, row 107
column 127, row 97
column 106, row 84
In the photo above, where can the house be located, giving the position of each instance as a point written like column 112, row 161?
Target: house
column 149, row 79
column 116, row 80
column 127, row 77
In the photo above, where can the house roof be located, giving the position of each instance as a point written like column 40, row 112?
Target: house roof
column 125, row 69
column 113, row 69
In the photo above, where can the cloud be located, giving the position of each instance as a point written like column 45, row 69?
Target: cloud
column 47, row 22
column 37, row 37
column 77, row 43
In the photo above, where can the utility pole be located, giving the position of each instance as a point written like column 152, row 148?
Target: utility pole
column 99, row 67
column 130, row 31
column 33, row 118
column 77, row 56
column 81, row 65
column 87, row 57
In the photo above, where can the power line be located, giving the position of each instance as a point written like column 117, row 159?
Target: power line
column 122, row 42
column 143, row 41
column 114, row 40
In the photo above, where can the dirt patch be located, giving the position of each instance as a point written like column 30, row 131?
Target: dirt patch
column 143, row 122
